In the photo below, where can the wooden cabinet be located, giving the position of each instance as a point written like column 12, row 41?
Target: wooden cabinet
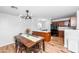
column 61, row 33
column 59, row 23
column 46, row 35
column 61, row 37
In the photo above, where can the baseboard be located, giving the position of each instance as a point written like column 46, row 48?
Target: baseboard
column 1, row 45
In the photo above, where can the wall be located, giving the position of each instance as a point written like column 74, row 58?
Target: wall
column 35, row 22
column 77, row 20
column 11, row 26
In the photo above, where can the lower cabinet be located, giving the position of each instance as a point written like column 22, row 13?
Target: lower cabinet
column 46, row 35
column 73, row 45
column 61, row 34
column 71, row 40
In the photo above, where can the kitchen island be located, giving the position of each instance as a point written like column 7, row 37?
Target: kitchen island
column 45, row 34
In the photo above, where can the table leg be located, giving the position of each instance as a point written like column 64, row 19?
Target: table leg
column 16, row 46
column 43, row 45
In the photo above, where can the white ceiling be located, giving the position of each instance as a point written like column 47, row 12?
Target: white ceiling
column 41, row 11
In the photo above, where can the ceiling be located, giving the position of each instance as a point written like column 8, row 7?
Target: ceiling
column 41, row 11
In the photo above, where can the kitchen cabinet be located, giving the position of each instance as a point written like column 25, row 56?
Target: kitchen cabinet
column 46, row 35
column 73, row 45
column 61, row 34
column 59, row 23
column 71, row 40
column 73, row 21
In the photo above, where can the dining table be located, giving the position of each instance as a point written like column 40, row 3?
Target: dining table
column 30, row 41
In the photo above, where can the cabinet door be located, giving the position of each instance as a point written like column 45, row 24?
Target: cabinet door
column 47, row 36
column 73, row 45
column 73, row 21
column 61, row 24
column 66, row 38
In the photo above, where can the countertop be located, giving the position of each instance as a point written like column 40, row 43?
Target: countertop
column 41, row 31
column 63, row 28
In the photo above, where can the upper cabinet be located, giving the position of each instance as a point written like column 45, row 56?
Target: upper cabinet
column 73, row 21
column 66, row 22
column 59, row 23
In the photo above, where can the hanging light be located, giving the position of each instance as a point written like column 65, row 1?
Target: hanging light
column 27, row 16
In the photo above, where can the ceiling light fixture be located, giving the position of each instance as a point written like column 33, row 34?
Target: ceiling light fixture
column 27, row 16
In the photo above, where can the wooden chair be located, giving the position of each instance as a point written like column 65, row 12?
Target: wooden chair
column 19, row 46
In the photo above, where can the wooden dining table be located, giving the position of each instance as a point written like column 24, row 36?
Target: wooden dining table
column 30, row 43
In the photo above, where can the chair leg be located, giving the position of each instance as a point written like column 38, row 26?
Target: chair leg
column 28, row 50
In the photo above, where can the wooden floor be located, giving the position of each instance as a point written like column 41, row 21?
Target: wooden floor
column 54, row 46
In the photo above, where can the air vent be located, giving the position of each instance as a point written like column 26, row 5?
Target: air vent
column 14, row 7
